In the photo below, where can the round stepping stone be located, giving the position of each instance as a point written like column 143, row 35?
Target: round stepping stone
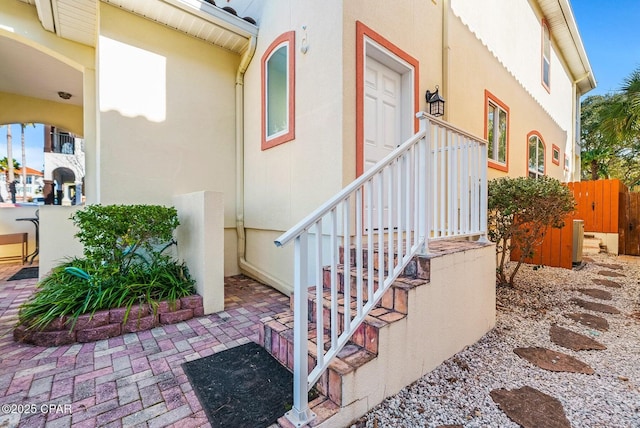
column 610, row 266
column 572, row 340
column 531, row 408
column 593, row 306
column 611, row 274
column 589, row 320
column 553, row 361
column 607, row 283
column 596, row 293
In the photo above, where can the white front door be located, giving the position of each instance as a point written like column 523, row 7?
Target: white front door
column 382, row 111
column 382, row 121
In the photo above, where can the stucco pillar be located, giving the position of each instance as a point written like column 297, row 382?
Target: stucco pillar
column 201, row 244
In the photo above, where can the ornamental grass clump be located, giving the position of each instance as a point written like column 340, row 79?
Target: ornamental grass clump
column 520, row 211
column 126, row 262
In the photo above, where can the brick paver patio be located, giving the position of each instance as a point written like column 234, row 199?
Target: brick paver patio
column 135, row 380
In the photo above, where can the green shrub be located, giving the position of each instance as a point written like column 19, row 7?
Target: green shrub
column 520, row 211
column 124, row 264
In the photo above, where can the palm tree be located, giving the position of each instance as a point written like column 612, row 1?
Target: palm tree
column 24, row 161
column 6, row 167
column 10, row 176
column 622, row 121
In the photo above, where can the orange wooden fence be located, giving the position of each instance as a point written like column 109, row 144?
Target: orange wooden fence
column 556, row 249
column 598, row 204
column 601, row 204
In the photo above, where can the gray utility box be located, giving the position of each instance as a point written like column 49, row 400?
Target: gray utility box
column 578, row 239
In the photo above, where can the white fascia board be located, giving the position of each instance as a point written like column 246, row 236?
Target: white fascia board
column 45, row 14
column 216, row 16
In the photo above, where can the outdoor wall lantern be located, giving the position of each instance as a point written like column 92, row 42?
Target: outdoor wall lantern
column 436, row 102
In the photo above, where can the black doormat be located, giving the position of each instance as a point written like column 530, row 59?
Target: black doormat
column 243, row 387
column 25, row 273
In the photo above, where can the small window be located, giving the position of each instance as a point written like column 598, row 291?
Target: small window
column 278, row 96
column 566, row 163
column 555, row 154
column 546, row 56
column 497, row 132
column 536, row 155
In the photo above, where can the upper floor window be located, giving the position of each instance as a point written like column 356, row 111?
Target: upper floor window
column 278, row 92
column 555, row 154
column 497, row 132
column 536, row 155
column 546, row 56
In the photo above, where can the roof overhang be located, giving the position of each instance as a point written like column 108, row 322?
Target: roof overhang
column 564, row 30
column 77, row 20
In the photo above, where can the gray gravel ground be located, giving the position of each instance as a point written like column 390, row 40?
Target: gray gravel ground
column 457, row 392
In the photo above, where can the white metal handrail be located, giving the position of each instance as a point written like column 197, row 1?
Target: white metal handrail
column 433, row 186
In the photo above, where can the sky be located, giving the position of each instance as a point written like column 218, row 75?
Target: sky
column 34, row 143
column 610, row 32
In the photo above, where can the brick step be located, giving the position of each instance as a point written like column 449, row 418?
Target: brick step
column 416, row 267
column 395, row 298
column 275, row 334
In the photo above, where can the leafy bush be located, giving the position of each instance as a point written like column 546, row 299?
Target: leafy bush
column 124, row 264
column 520, row 211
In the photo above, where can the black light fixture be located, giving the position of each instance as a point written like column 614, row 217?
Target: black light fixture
column 64, row 95
column 436, row 103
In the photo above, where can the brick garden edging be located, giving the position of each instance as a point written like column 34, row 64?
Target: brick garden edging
column 109, row 323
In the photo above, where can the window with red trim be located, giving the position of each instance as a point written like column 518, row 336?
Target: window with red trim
column 536, row 156
column 278, row 97
column 546, row 56
column 497, row 132
column 555, row 154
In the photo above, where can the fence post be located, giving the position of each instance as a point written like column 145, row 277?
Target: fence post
column 300, row 414
column 423, row 186
column 484, row 193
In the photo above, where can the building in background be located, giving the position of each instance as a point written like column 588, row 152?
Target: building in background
column 64, row 167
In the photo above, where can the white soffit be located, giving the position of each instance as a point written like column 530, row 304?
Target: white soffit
column 77, row 19
column 196, row 18
column 564, row 31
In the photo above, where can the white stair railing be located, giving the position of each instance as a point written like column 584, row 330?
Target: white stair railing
column 433, row 186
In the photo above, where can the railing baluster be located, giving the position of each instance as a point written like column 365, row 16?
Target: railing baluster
column 319, row 296
column 334, row 278
column 381, row 250
column 435, row 173
column 359, row 252
column 451, row 184
column 441, row 201
column 407, row 198
column 464, row 188
column 370, row 277
column 347, row 265
column 390, row 233
column 400, row 212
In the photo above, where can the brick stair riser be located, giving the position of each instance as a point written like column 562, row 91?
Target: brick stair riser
column 414, row 269
column 280, row 345
column 394, row 298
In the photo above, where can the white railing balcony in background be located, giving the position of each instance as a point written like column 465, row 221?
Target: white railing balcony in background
column 62, row 143
column 433, row 186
